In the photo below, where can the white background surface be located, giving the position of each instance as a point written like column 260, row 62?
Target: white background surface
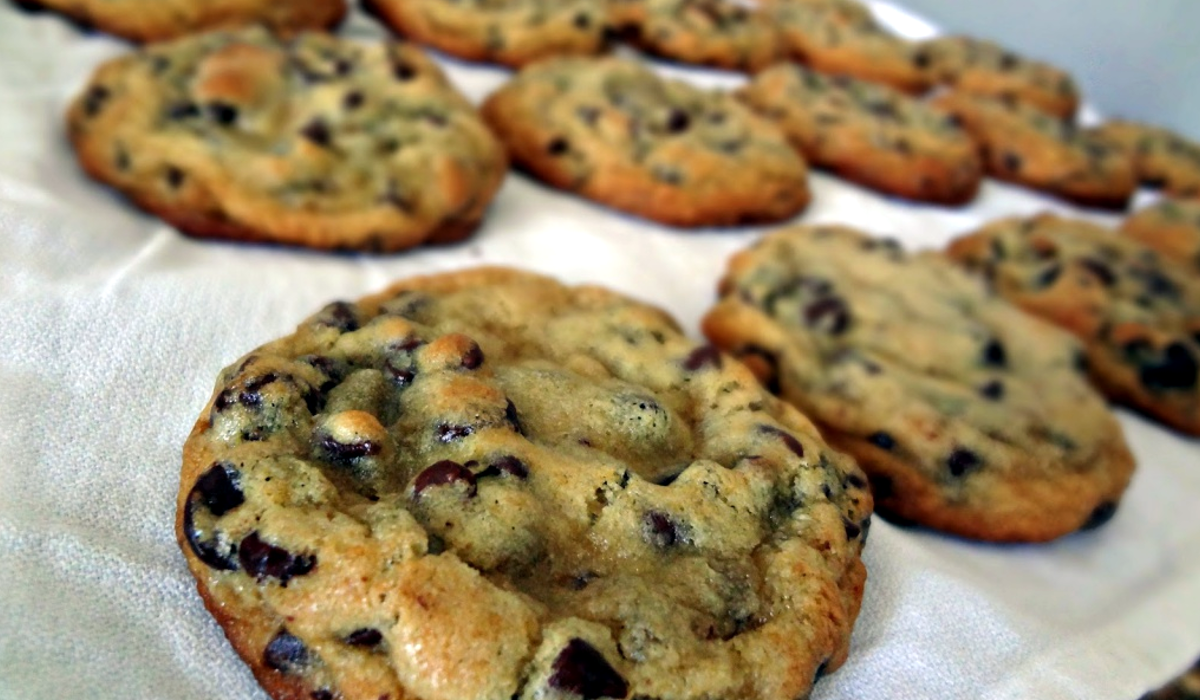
column 113, row 328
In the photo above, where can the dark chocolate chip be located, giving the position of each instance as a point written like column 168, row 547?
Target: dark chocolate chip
column 318, row 132
column 448, row 432
column 322, row 694
column 510, row 415
column 993, row 354
column 788, row 439
column 403, row 71
column 365, row 637
column 174, row 177
column 473, row 357
column 1099, row 270
column 557, row 147
column 882, row 440
column 434, row 544
column 219, row 489
column 1176, row 369
column 993, row 390
column 345, row 452
column 1048, row 276
column 961, row 461
column 401, row 376
column 1101, row 515
column 582, row 670
column 183, row 110
column 505, row 465
column 94, row 100
column 856, row 480
column 222, row 113
column 1012, row 162
column 660, row 529
column 341, row 315
column 582, row 21
column 678, row 121
column 1008, row 61
column 701, row 357
column 353, row 100
column 442, row 473
column 263, row 560
column 285, row 652
column 853, row 530
column 830, row 312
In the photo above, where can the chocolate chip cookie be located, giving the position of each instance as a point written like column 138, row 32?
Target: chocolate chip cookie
column 1161, row 158
column 614, row 131
column 968, row 415
column 980, row 67
column 485, row 484
column 843, row 38
column 869, row 133
column 718, row 33
column 160, row 20
column 509, row 32
column 1137, row 313
column 1024, row 145
column 311, row 141
column 1170, row 226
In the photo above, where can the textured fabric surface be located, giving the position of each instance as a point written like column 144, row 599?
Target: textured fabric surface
column 113, row 328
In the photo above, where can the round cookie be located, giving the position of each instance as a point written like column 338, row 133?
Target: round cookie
column 312, row 141
column 1137, row 313
column 969, row 416
column 718, row 33
column 869, row 133
column 1161, row 158
column 614, row 131
column 161, row 20
column 1026, row 146
column 980, row 67
column 485, row 484
column 1170, row 226
column 841, row 37
column 510, row 32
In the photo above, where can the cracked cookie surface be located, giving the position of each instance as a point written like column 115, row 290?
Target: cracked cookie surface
column 312, row 141
column 869, row 133
column 485, row 484
column 981, row 67
column 161, row 20
column 1026, row 146
column 1137, row 313
column 508, row 32
column 968, row 415
column 614, row 131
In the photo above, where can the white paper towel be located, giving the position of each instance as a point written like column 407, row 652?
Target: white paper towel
column 113, row 328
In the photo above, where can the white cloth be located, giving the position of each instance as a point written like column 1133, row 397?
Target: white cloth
column 113, row 328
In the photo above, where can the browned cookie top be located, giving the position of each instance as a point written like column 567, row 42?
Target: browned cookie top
column 1137, row 312
column 311, row 141
column 485, row 484
column 969, row 416
column 985, row 68
column 613, row 130
column 510, row 32
column 160, row 20
column 1170, row 226
column 720, row 33
column 869, row 133
column 1161, row 158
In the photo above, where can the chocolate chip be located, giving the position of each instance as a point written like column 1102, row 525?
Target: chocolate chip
column 318, row 132
column 1008, row 61
column 856, row 480
column 1011, row 162
column 183, row 110
column 403, row 71
column 882, row 440
column 510, row 415
column 344, row 452
column 1100, row 270
column 557, row 147
column 222, row 113
column 505, row 465
column 993, row 390
column 174, row 177
column 1048, row 276
column 473, row 357
column 218, row 490
column 678, row 121
column 853, row 530
column 341, row 315
column 582, row 670
column 660, row 529
column 94, row 99
column 401, row 376
column 448, row 432
column 322, row 694
column 353, row 100
column 787, row 438
column 285, row 652
column 1176, row 369
column 701, row 357
column 582, row 21
column 961, row 461
column 263, row 560
column 1101, row 515
column 442, row 473
column 829, row 312
column 993, row 354
column 365, row 637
